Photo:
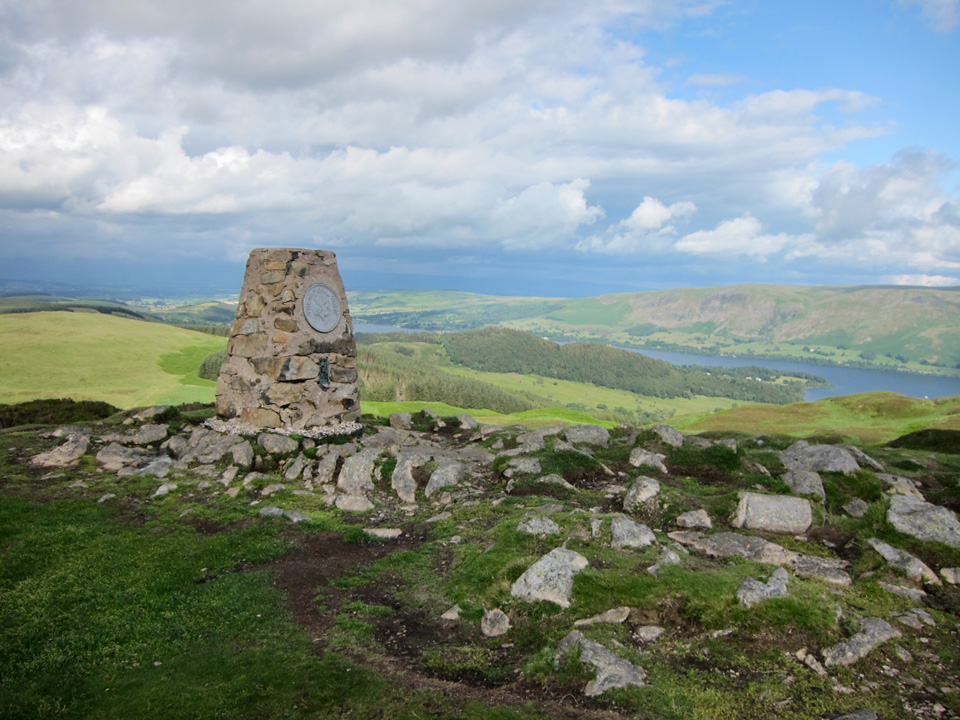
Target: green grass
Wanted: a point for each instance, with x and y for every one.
(124, 362)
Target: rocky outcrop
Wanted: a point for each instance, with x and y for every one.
(917, 518)
(818, 458)
(773, 513)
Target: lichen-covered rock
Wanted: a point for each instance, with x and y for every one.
(628, 534)
(494, 623)
(913, 567)
(818, 458)
(539, 525)
(873, 632)
(727, 544)
(448, 474)
(612, 670)
(896, 485)
(669, 435)
(752, 591)
(695, 519)
(68, 453)
(356, 475)
(550, 578)
(773, 513)
(587, 435)
(402, 480)
(923, 520)
(150, 434)
(277, 444)
(805, 482)
(115, 456)
(640, 457)
(643, 490)
(401, 420)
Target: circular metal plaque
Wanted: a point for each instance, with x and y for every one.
(321, 308)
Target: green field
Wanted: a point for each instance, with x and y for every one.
(90, 356)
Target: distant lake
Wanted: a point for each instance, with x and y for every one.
(845, 380)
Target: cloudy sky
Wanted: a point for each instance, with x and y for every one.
(549, 147)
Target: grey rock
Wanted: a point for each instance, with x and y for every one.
(539, 525)
(667, 557)
(525, 466)
(911, 621)
(494, 623)
(911, 566)
(295, 469)
(752, 591)
(918, 596)
(158, 468)
(669, 435)
(277, 444)
(150, 434)
(203, 446)
(896, 485)
(773, 513)
(67, 453)
(695, 519)
(353, 503)
(327, 467)
(628, 534)
(587, 435)
(924, 520)
(357, 472)
(649, 633)
(864, 460)
(827, 569)
(873, 632)
(401, 420)
(614, 616)
(818, 458)
(387, 439)
(243, 454)
(384, 533)
(115, 456)
(805, 482)
(735, 545)
(452, 614)
(150, 412)
(165, 489)
(612, 671)
(640, 457)
(951, 576)
(551, 479)
(271, 489)
(550, 578)
(448, 474)
(295, 516)
(402, 481)
(270, 511)
(856, 508)
(643, 490)
(445, 515)
(467, 422)
(107, 496)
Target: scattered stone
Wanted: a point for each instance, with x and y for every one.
(448, 474)
(150, 412)
(539, 525)
(551, 479)
(295, 469)
(78, 484)
(773, 513)
(904, 592)
(295, 516)
(550, 578)
(897, 485)
(735, 545)
(243, 454)
(115, 456)
(811, 662)
(873, 632)
(402, 480)
(357, 472)
(951, 576)
(68, 453)
(818, 458)
(752, 591)
(614, 616)
(271, 489)
(494, 623)
(452, 614)
(911, 566)
(864, 460)
(695, 519)
(467, 422)
(924, 520)
(104, 498)
(827, 569)
(640, 457)
(526, 466)
(667, 557)
(150, 434)
(642, 491)
(353, 503)
(270, 511)
(384, 533)
(229, 475)
(587, 435)
(203, 446)
(165, 489)
(856, 508)
(445, 515)
(669, 435)
(649, 633)
(278, 444)
(628, 534)
(805, 482)
(859, 715)
(159, 468)
(911, 621)
(612, 670)
(401, 420)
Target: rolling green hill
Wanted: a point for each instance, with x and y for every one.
(91, 356)
(915, 329)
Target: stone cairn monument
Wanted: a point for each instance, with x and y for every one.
(292, 359)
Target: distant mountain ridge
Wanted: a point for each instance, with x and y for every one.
(906, 327)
